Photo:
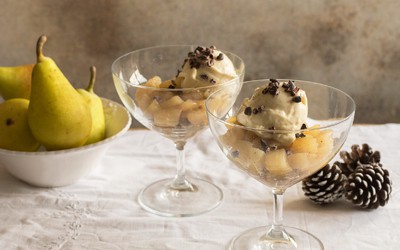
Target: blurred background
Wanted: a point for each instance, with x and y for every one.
(353, 45)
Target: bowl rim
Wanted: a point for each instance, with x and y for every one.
(76, 149)
(232, 81)
(281, 131)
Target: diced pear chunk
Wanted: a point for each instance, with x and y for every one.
(232, 136)
(167, 118)
(256, 161)
(173, 101)
(314, 130)
(153, 82)
(152, 108)
(276, 163)
(299, 161)
(325, 142)
(197, 117)
(189, 104)
(143, 98)
(306, 144)
(166, 84)
(232, 119)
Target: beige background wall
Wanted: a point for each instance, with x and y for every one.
(351, 44)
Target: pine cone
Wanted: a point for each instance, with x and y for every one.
(325, 186)
(369, 186)
(363, 155)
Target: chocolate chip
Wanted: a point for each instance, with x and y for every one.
(291, 88)
(201, 56)
(300, 135)
(212, 81)
(235, 153)
(247, 111)
(204, 76)
(297, 99)
(304, 126)
(220, 57)
(9, 122)
(255, 111)
(272, 88)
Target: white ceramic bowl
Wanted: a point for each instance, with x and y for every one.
(64, 167)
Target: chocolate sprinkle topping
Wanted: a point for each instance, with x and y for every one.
(304, 126)
(9, 122)
(247, 111)
(272, 88)
(235, 153)
(300, 135)
(202, 56)
(220, 57)
(291, 88)
(204, 76)
(258, 110)
(297, 99)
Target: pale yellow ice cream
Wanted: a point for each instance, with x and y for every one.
(205, 67)
(275, 106)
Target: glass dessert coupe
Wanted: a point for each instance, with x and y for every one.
(145, 82)
(281, 158)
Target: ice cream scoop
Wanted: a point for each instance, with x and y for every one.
(205, 67)
(275, 106)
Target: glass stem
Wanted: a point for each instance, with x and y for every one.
(277, 224)
(180, 182)
(180, 161)
(277, 233)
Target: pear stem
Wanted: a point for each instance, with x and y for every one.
(92, 79)
(39, 47)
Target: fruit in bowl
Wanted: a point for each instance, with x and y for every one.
(58, 133)
(63, 167)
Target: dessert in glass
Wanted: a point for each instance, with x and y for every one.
(165, 89)
(279, 132)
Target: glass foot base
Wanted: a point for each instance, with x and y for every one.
(256, 239)
(159, 198)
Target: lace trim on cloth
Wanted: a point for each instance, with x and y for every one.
(72, 212)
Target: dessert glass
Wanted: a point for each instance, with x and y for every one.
(330, 117)
(177, 114)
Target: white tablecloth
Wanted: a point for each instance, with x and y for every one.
(101, 212)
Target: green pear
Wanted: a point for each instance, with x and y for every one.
(58, 116)
(15, 82)
(14, 129)
(96, 110)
